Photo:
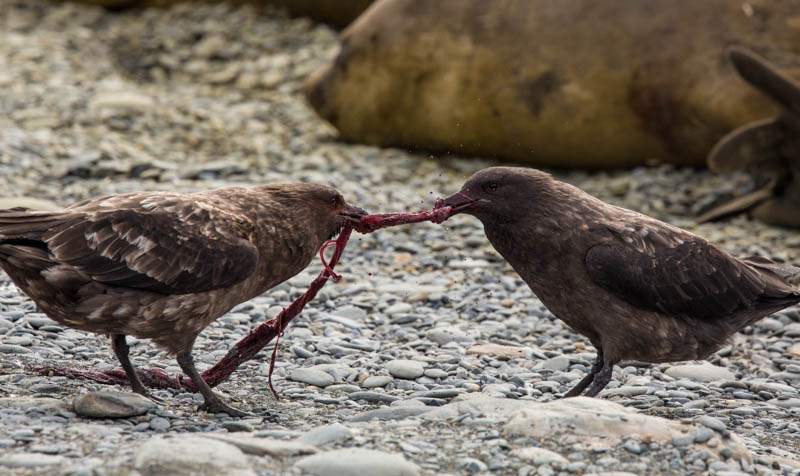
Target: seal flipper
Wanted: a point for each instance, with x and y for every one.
(739, 204)
(759, 141)
(769, 147)
(765, 77)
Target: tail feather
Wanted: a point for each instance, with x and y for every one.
(15, 223)
(782, 270)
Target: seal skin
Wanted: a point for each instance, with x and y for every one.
(163, 266)
(338, 13)
(636, 287)
(573, 83)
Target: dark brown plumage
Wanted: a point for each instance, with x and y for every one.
(636, 287)
(162, 265)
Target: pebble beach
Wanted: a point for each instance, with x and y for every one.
(429, 357)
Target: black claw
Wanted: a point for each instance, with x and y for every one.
(217, 406)
(597, 366)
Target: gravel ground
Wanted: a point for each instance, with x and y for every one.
(198, 97)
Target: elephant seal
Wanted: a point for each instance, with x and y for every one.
(338, 13)
(768, 148)
(570, 83)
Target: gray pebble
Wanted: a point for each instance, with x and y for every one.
(325, 434)
(190, 454)
(345, 388)
(407, 369)
(159, 423)
(19, 340)
(557, 364)
(713, 423)
(14, 349)
(398, 308)
(391, 413)
(377, 381)
(704, 372)
(435, 373)
(234, 426)
(302, 352)
(30, 460)
(472, 465)
(787, 403)
(105, 404)
(684, 440)
(633, 446)
(441, 393)
(311, 377)
(357, 462)
(373, 397)
(702, 434)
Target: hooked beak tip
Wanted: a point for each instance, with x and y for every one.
(459, 201)
(353, 214)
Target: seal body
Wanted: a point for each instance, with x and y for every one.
(569, 83)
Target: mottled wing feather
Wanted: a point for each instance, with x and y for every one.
(684, 276)
(158, 252)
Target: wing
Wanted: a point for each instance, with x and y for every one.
(667, 270)
(173, 249)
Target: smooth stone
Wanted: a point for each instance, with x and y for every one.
(46, 388)
(702, 434)
(159, 424)
(398, 308)
(357, 462)
(350, 312)
(237, 426)
(258, 446)
(774, 388)
(625, 391)
(190, 455)
(792, 330)
(377, 381)
(43, 403)
(107, 404)
(477, 405)
(435, 373)
(407, 369)
(30, 460)
(344, 388)
(311, 377)
(602, 423)
(556, 364)
(769, 324)
(14, 349)
(540, 456)
(704, 372)
(373, 397)
(391, 413)
(121, 100)
(472, 465)
(325, 434)
(441, 393)
(302, 352)
(788, 403)
(683, 440)
(633, 446)
(19, 340)
(445, 335)
(695, 404)
(497, 350)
